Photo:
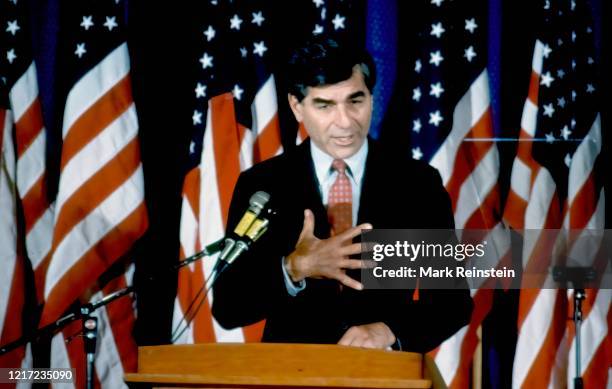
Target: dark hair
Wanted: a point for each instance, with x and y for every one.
(324, 62)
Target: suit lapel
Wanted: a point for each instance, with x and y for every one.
(369, 184)
(308, 189)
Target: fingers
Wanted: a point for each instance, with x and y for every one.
(373, 335)
(352, 249)
(353, 232)
(357, 337)
(348, 281)
(308, 227)
(357, 264)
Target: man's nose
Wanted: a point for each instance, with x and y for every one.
(343, 119)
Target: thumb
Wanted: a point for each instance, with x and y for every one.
(308, 228)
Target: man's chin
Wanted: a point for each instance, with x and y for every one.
(343, 152)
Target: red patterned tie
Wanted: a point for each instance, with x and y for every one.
(340, 201)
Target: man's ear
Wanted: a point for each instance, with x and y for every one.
(296, 107)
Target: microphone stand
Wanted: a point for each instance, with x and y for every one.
(90, 322)
(578, 277)
(90, 330)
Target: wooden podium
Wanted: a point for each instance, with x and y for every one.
(268, 365)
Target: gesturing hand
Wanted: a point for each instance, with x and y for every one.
(325, 258)
(373, 335)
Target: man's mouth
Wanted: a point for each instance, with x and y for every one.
(343, 140)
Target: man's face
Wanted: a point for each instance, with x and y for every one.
(337, 116)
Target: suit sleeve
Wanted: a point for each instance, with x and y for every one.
(253, 285)
(436, 314)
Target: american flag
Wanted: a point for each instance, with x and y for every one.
(555, 184)
(24, 169)
(99, 210)
(12, 278)
(235, 124)
(452, 127)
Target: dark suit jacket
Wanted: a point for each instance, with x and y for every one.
(397, 192)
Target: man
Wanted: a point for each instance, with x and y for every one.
(299, 276)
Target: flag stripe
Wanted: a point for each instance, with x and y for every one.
(82, 262)
(97, 188)
(24, 92)
(98, 117)
(94, 85)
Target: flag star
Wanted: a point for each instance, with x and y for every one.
(200, 90)
(235, 22)
(559, 42)
(437, 30)
(573, 5)
(192, 147)
(567, 160)
(546, 50)
(317, 30)
(338, 22)
(318, 3)
(416, 94)
(80, 50)
(87, 22)
(10, 55)
(435, 118)
(111, 22)
(574, 95)
(546, 79)
(416, 153)
(561, 102)
(257, 18)
(469, 53)
(206, 61)
(565, 133)
(590, 88)
(589, 30)
(12, 27)
(435, 58)
(550, 138)
(210, 33)
(573, 123)
(573, 36)
(418, 66)
(13, 1)
(437, 2)
(259, 49)
(436, 90)
(197, 117)
(573, 64)
(547, 4)
(590, 61)
(548, 110)
(560, 73)
(416, 125)
(244, 52)
(470, 25)
(323, 13)
(237, 92)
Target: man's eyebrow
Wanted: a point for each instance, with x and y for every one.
(320, 100)
(356, 95)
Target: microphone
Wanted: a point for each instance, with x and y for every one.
(257, 229)
(257, 203)
(258, 226)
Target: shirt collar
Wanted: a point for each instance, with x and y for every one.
(323, 161)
